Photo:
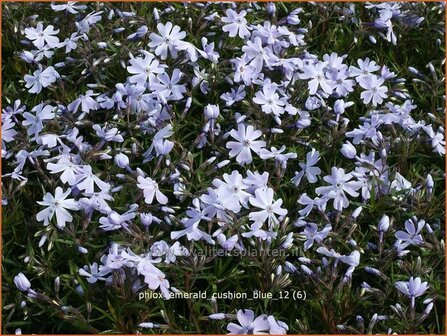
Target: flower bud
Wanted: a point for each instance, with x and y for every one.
(384, 223)
(21, 282)
(42, 240)
(293, 20)
(211, 111)
(339, 106)
(82, 250)
(414, 71)
(148, 325)
(146, 219)
(348, 150)
(156, 15)
(289, 267)
(79, 290)
(223, 163)
(356, 212)
(218, 316)
(430, 183)
(271, 8)
(121, 160)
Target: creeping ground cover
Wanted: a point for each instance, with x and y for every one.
(243, 168)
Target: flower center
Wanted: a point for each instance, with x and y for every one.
(269, 209)
(246, 143)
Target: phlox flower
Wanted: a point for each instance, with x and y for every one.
(277, 327)
(116, 258)
(41, 79)
(115, 221)
(269, 100)
(87, 180)
(208, 51)
(342, 84)
(57, 204)
(258, 55)
(411, 235)
(340, 183)
(108, 134)
(68, 166)
(401, 183)
(277, 154)
(71, 7)
(246, 142)
(191, 224)
(93, 272)
(374, 93)
(270, 34)
(229, 244)
(368, 130)
(311, 234)
(89, 20)
(153, 277)
(315, 72)
(412, 288)
(217, 202)
(96, 201)
(248, 323)
(85, 102)
(233, 187)
(256, 230)
(150, 189)
(34, 123)
(161, 248)
(437, 139)
(143, 70)
(353, 260)
(8, 131)
(264, 200)
(234, 95)
(167, 40)
(40, 36)
(169, 88)
(366, 69)
(236, 24)
(244, 71)
(70, 43)
(256, 180)
(308, 168)
(329, 253)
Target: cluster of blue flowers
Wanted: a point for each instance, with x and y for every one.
(246, 108)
